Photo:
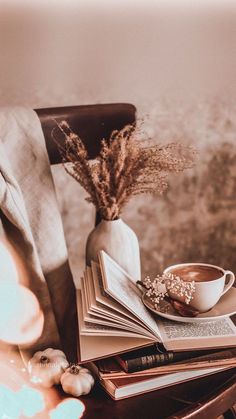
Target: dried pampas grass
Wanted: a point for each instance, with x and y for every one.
(125, 167)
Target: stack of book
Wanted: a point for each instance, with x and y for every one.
(131, 350)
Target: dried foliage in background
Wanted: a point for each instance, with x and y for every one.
(126, 166)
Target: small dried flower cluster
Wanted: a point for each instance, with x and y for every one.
(162, 285)
(177, 286)
(156, 289)
(124, 167)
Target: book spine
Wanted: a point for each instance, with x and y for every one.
(148, 361)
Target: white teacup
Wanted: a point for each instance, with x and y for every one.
(210, 283)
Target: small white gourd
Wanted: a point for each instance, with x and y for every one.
(46, 367)
(77, 380)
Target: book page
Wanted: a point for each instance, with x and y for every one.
(181, 336)
(175, 331)
(104, 319)
(111, 304)
(96, 329)
(119, 286)
(96, 305)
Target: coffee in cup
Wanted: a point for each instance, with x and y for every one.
(210, 283)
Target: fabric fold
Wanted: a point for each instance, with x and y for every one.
(32, 223)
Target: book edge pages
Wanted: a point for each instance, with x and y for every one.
(94, 347)
(178, 380)
(152, 326)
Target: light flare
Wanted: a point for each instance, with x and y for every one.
(7, 265)
(31, 401)
(69, 408)
(21, 320)
(9, 403)
(27, 402)
(18, 399)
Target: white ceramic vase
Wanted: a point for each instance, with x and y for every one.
(119, 241)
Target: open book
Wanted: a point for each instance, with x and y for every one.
(113, 318)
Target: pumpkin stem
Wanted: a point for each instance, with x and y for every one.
(74, 369)
(44, 359)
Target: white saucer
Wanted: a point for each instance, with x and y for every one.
(225, 307)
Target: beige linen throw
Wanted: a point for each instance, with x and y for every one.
(32, 223)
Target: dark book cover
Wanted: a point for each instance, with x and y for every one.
(154, 356)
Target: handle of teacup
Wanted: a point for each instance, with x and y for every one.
(230, 283)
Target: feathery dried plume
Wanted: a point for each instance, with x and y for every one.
(124, 167)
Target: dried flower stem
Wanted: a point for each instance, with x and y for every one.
(124, 167)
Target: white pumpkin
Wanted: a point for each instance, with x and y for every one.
(77, 380)
(46, 367)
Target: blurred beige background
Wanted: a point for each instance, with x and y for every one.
(176, 64)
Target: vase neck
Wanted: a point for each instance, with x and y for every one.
(118, 221)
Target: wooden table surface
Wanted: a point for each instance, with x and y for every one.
(171, 402)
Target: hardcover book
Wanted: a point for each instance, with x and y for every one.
(117, 367)
(141, 360)
(123, 387)
(113, 319)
